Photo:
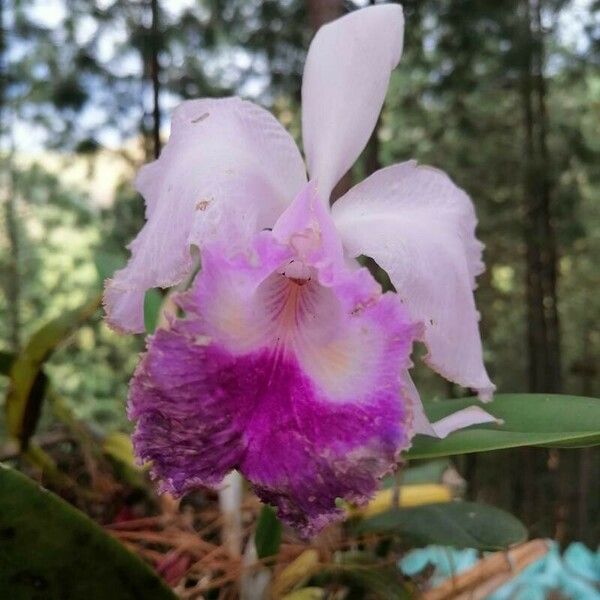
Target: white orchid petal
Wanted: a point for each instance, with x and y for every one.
(472, 415)
(229, 169)
(346, 76)
(420, 227)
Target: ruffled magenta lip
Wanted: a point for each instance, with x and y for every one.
(300, 451)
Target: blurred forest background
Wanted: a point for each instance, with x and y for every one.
(504, 96)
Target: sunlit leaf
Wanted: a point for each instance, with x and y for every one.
(52, 551)
(268, 533)
(458, 524)
(309, 593)
(527, 420)
(118, 447)
(27, 385)
(298, 571)
(407, 496)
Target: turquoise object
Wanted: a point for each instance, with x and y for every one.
(574, 573)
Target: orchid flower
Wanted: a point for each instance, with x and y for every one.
(290, 364)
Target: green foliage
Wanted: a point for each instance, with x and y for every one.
(308, 593)
(455, 102)
(267, 537)
(365, 576)
(28, 381)
(50, 550)
(65, 253)
(118, 447)
(431, 471)
(458, 524)
(527, 420)
(6, 361)
(152, 303)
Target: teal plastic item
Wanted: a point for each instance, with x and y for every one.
(574, 574)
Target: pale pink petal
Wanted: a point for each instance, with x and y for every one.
(228, 170)
(346, 76)
(420, 227)
(472, 415)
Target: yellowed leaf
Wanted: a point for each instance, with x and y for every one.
(301, 568)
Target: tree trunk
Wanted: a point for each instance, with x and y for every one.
(540, 239)
(372, 162)
(542, 475)
(536, 325)
(549, 275)
(155, 77)
(323, 11)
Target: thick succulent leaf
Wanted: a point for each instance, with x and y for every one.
(527, 420)
(50, 550)
(27, 386)
(296, 573)
(458, 524)
(267, 537)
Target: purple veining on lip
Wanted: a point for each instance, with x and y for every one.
(300, 450)
(287, 367)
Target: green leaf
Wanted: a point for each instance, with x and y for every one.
(153, 300)
(52, 551)
(458, 524)
(364, 575)
(431, 471)
(268, 533)
(528, 420)
(27, 387)
(6, 361)
(309, 593)
(118, 447)
(106, 264)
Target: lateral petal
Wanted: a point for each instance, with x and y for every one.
(473, 415)
(420, 227)
(228, 170)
